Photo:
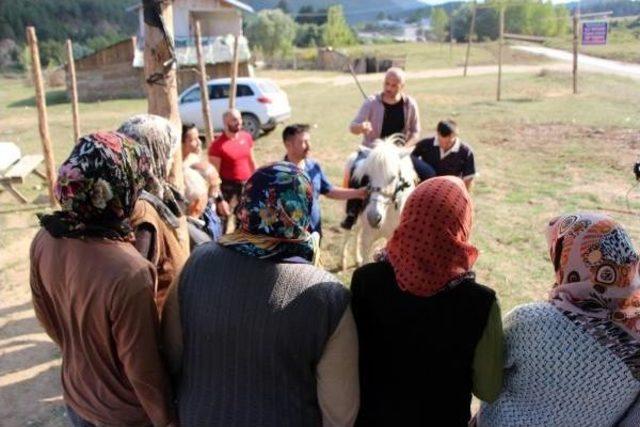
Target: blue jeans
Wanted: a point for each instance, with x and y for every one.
(77, 420)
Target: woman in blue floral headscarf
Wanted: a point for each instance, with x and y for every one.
(274, 215)
(251, 316)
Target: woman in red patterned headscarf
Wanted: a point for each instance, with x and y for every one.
(429, 334)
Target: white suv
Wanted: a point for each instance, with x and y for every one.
(262, 103)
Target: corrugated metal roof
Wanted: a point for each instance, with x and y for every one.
(240, 5)
(214, 49)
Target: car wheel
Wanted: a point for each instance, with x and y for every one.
(251, 124)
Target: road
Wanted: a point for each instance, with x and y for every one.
(585, 62)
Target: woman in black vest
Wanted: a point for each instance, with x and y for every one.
(429, 334)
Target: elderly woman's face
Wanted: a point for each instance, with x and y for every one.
(191, 141)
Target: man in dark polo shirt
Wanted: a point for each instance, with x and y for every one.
(445, 154)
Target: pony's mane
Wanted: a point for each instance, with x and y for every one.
(383, 160)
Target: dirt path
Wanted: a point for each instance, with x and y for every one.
(29, 362)
(585, 62)
(478, 70)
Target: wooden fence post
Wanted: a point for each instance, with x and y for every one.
(576, 25)
(43, 124)
(470, 36)
(204, 92)
(500, 46)
(234, 74)
(74, 91)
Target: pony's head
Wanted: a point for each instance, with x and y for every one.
(385, 166)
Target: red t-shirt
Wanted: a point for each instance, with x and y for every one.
(234, 154)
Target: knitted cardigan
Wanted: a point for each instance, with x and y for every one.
(557, 374)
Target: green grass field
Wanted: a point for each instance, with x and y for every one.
(540, 152)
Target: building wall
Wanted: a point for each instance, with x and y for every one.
(108, 74)
(188, 77)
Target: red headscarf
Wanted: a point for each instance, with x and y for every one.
(431, 245)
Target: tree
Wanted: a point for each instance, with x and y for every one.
(439, 23)
(272, 32)
(337, 32)
(306, 15)
(308, 35)
(283, 5)
(562, 20)
(381, 16)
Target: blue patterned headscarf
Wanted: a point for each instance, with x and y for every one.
(274, 216)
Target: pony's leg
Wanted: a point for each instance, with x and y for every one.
(345, 250)
(367, 238)
(359, 232)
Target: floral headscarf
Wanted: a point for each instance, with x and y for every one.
(98, 186)
(596, 268)
(274, 216)
(430, 249)
(162, 140)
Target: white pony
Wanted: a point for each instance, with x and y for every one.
(391, 179)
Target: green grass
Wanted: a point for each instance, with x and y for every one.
(540, 152)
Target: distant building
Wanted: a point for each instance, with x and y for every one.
(117, 71)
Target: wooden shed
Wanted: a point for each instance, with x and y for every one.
(117, 71)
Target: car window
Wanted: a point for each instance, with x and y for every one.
(192, 96)
(244, 90)
(222, 91)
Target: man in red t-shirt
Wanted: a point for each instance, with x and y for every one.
(232, 155)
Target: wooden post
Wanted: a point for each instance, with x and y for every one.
(162, 88)
(501, 42)
(41, 103)
(74, 91)
(450, 36)
(234, 74)
(470, 36)
(576, 26)
(204, 92)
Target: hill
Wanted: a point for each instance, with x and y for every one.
(354, 10)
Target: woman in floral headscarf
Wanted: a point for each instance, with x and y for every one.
(156, 215)
(92, 291)
(575, 359)
(260, 336)
(429, 334)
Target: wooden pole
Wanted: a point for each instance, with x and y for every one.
(162, 88)
(204, 93)
(43, 124)
(161, 75)
(234, 74)
(74, 91)
(500, 45)
(450, 36)
(470, 36)
(576, 26)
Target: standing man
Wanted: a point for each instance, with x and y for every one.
(384, 114)
(232, 155)
(297, 142)
(445, 154)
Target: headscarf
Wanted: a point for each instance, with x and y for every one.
(274, 215)
(98, 186)
(596, 269)
(430, 249)
(162, 140)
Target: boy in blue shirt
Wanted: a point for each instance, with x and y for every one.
(297, 142)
